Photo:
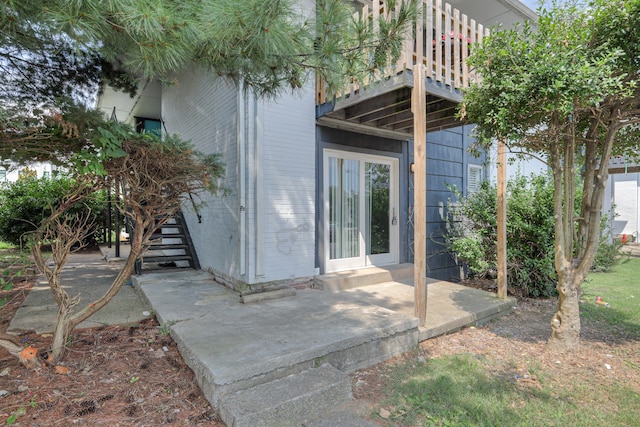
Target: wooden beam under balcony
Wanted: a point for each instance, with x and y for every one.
(440, 42)
(386, 109)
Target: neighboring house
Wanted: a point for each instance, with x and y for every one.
(622, 198)
(142, 111)
(11, 173)
(322, 185)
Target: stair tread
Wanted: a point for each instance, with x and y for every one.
(166, 258)
(166, 246)
(171, 236)
(167, 236)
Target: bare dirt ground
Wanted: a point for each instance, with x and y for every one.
(515, 345)
(135, 376)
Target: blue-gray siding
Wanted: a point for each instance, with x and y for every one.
(447, 164)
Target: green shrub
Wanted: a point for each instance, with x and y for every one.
(608, 253)
(530, 235)
(24, 204)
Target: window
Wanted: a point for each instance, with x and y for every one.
(149, 125)
(474, 178)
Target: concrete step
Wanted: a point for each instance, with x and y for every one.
(349, 279)
(294, 400)
(351, 414)
(308, 330)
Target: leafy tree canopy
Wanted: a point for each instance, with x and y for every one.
(569, 91)
(270, 45)
(579, 62)
(56, 54)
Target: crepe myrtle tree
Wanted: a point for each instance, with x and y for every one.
(565, 91)
(151, 175)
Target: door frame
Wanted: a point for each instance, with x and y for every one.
(363, 260)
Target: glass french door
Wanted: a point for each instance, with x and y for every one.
(360, 210)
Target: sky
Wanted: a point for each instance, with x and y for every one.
(533, 4)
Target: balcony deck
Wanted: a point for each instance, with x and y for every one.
(382, 104)
(622, 164)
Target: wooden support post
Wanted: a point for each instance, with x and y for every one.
(117, 218)
(502, 220)
(419, 109)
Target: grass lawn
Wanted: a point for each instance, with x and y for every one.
(4, 245)
(485, 377)
(621, 289)
(12, 267)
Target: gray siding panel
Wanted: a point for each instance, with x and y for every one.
(444, 152)
(442, 183)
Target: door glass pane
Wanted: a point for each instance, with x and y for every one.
(344, 208)
(377, 206)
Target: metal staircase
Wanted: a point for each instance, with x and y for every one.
(171, 247)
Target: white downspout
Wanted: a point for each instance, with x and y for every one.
(242, 178)
(259, 187)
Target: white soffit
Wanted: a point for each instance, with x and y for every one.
(491, 13)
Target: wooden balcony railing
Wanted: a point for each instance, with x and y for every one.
(445, 37)
(623, 164)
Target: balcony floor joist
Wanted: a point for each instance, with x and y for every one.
(385, 109)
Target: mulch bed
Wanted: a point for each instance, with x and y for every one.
(117, 376)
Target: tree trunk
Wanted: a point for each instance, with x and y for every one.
(64, 326)
(67, 320)
(565, 325)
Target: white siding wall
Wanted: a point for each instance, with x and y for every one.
(625, 198)
(269, 152)
(279, 170)
(204, 110)
(289, 187)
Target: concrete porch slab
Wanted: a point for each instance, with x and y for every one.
(449, 306)
(232, 346)
(235, 347)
